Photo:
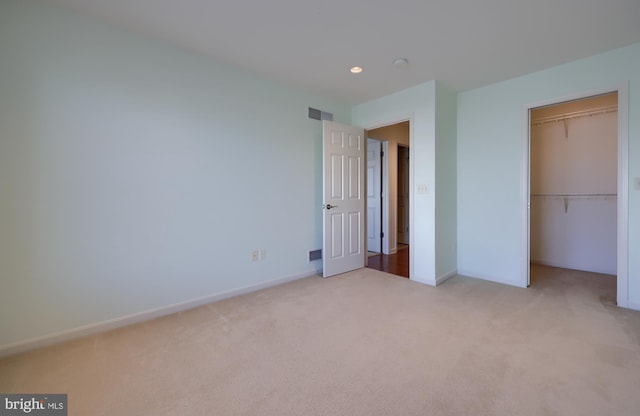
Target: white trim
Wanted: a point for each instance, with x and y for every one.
(526, 201)
(412, 208)
(388, 121)
(110, 324)
(569, 267)
(385, 199)
(429, 282)
(622, 297)
(634, 306)
(469, 273)
(622, 261)
(444, 277)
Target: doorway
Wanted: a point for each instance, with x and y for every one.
(576, 167)
(394, 213)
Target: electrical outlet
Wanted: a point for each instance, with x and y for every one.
(255, 255)
(263, 253)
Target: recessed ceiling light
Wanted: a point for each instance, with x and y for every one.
(356, 70)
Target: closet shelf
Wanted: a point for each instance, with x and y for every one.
(575, 114)
(567, 197)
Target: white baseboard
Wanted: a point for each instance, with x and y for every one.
(430, 282)
(103, 326)
(634, 306)
(470, 273)
(572, 267)
(444, 277)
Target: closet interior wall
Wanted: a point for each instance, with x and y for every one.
(574, 184)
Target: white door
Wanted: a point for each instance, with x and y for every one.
(374, 188)
(343, 198)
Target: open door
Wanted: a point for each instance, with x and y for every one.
(344, 246)
(374, 195)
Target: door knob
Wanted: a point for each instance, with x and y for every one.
(329, 206)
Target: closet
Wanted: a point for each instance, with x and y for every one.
(573, 184)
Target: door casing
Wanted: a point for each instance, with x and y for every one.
(374, 195)
(622, 295)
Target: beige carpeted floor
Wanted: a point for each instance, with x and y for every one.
(363, 343)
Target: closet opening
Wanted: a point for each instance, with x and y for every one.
(573, 195)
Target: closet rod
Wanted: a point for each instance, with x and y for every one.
(575, 114)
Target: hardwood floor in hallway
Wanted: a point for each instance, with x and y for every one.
(397, 264)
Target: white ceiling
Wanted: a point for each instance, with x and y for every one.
(312, 44)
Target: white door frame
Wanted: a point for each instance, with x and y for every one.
(385, 198)
(376, 183)
(386, 247)
(622, 261)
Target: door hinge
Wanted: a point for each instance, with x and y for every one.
(381, 153)
(381, 235)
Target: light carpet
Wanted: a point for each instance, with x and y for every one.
(362, 343)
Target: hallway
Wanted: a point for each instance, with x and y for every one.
(397, 264)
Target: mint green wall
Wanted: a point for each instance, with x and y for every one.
(491, 143)
(135, 175)
(431, 107)
(418, 105)
(446, 184)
